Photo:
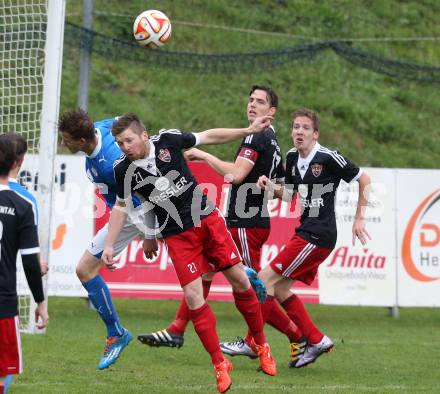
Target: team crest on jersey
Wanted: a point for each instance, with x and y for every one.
(316, 169)
(164, 155)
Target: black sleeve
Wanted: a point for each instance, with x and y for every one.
(28, 233)
(188, 140)
(123, 192)
(178, 139)
(344, 168)
(31, 267)
(257, 142)
(280, 172)
(289, 181)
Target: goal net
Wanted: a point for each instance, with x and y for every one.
(28, 42)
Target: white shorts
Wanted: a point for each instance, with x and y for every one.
(128, 232)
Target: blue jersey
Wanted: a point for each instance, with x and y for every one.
(99, 165)
(28, 196)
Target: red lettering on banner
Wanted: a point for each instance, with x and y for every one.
(343, 259)
(431, 240)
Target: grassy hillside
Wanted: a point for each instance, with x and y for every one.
(375, 119)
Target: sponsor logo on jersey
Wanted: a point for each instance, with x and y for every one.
(162, 184)
(94, 172)
(164, 155)
(316, 169)
(169, 189)
(7, 210)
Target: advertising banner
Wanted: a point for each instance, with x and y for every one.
(72, 222)
(418, 229)
(363, 275)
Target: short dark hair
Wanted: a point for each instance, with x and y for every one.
(7, 155)
(128, 120)
(77, 124)
(18, 142)
(271, 95)
(308, 113)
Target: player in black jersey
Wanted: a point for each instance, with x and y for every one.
(18, 232)
(314, 173)
(247, 220)
(193, 229)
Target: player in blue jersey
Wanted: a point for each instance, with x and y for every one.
(80, 134)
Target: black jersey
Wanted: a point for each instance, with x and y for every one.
(164, 183)
(18, 232)
(247, 205)
(316, 179)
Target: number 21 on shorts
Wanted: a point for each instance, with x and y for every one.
(192, 268)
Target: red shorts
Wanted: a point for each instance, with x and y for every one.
(249, 242)
(10, 346)
(202, 248)
(300, 260)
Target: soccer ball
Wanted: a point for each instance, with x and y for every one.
(152, 29)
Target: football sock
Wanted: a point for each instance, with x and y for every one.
(178, 326)
(101, 299)
(277, 318)
(248, 305)
(204, 324)
(297, 312)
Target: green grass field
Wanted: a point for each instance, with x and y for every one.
(373, 353)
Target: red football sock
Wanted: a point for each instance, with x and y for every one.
(204, 324)
(178, 326)
(278, 319)
(248, 305)
(297, 312)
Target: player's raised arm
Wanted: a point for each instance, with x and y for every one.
(222, 136)
(234, 172)
(359, 230)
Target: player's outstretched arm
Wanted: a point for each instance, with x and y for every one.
(118, 216)
(233, 172)
(31, 267)
(275, 190)
(359, 230)
(222, 136)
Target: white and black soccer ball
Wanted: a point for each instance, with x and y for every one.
(152, 29)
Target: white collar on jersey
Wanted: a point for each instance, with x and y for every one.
(12, 180)
(148, 163)
(98, 145)
(4, 187)
(303, 163)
